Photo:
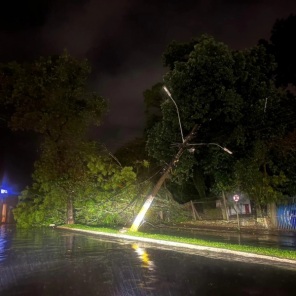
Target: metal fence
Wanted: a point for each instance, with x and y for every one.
(207, 210)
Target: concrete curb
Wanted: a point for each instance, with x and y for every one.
(215, 253)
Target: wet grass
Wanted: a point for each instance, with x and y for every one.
(273, 252)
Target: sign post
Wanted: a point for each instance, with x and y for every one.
(236, 199)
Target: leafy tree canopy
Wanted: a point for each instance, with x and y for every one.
(232, 96)
(101, 190)
(72, 176)
(50, 96)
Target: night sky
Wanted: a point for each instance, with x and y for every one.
(124, 41)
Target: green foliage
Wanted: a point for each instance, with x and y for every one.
(262, 188)
(177, 52)
(37, 210)
(203, 88)
(108, 176)
(49, 96)
(233, 97)
(133, 154)
(72, 174)
(96, 201)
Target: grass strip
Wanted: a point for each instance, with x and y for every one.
(273, 252)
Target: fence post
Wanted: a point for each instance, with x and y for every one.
(193, 210)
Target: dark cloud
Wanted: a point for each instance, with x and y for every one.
(84, 26)
(124, 41)
(124, 90)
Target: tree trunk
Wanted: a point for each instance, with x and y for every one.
(70, 211)
(259, 211)
(272, 214)
(195, 212)
(149, 200)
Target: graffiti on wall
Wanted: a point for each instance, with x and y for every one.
(286, 216)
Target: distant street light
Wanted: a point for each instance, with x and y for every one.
(170, 96)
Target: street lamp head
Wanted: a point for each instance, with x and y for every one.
(167, 91)
(227, 150)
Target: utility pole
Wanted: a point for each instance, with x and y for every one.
(183, 146)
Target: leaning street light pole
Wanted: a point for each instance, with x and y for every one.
(170, 96)
(139, 218)
(182, 147)
(137, 222)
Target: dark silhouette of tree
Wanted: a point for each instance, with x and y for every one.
(283, 46)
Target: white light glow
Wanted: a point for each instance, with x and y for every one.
(167, 91)
(141, 215)
(227, 150)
